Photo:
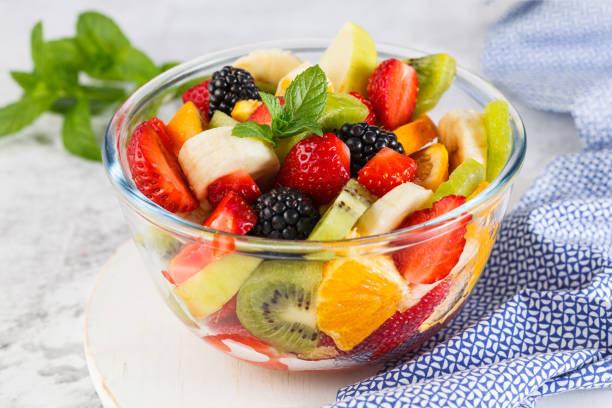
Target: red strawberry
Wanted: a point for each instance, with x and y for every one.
(191, 259)
(156, 171)
(162, 132)
(432, 260)
(318, 166)
(371, 118)
(226, 342)
(233, 214)
(239, 182)
(262, 115)
(393, 89)
(199, 96)
(403, 325)
(386, 170)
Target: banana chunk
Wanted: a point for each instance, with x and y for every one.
(215, 153)
(463, 134)
(388, 212)
(268, 65)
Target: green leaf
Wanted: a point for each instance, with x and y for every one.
(272, 103)
(98, 34)
(306, 96)
(133, 65)
(168, 65)
(297, 127)
(57, 62)
(18, 115)
(77, 134)
(255, 130)
(26, 80)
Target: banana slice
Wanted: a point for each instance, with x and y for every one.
(286, 80)
(463, 134)
(388, 212)
(268, 65)
(215, 153)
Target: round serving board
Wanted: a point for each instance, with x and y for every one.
(140, 355)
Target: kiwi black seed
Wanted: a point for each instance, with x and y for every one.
(276, 304)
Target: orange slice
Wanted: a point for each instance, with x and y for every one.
(356, 296)
(432, 166)
(185, 124)
(416, 134)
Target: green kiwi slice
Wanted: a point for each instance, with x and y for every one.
(435, 74)
(343, 213)
(277, 304)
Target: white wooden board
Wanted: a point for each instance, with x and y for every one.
(140, 355)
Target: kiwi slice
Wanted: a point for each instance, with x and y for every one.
(435, 74)
(277, 304)
(220, 119)
(343, 213)
(340, 109)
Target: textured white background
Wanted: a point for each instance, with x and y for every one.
(59, 220)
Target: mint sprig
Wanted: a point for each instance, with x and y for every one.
(78, 77)
(305, 101)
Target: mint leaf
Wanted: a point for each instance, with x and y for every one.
(57, 62)
(77, 134)
(100, 41)
(306, 96)
(18, 115)
(255, 130)
(272, 103)
(133, 65)
(297, 127)
(26, 80)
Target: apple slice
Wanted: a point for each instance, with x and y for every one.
(268, 66)
(350, 59)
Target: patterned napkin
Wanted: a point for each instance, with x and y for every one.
(539, 321)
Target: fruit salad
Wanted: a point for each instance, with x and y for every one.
(331, 151)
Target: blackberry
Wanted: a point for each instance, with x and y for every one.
(284, 213)
(228, 86)
(364, 141)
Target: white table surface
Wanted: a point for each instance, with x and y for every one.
(59, 220)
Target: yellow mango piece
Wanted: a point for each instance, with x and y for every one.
(243, 109)
(185, 124)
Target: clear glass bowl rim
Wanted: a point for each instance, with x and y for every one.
(477, 87)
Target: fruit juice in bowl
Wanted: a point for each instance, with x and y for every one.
(313, 206)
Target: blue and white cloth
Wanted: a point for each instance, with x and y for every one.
(539, 321)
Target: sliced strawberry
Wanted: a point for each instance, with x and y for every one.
(262, 114)
(233, 214)
(371, 118)
(403, 325)
(239, 182)
(254, 347)
(162, 132)
(393, 89)
(386, 170)
(318, 166)
(199, 96)
(433, 259)
(156, 171)
(191, 259)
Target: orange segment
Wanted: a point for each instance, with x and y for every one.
(356, 296)
(416, 134)
(483, 184)
(244, 108)
(185, 124)
(432, 166)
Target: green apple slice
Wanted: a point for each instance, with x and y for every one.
(208, 290)
(350, 59)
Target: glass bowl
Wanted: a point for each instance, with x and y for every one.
(362, 307)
